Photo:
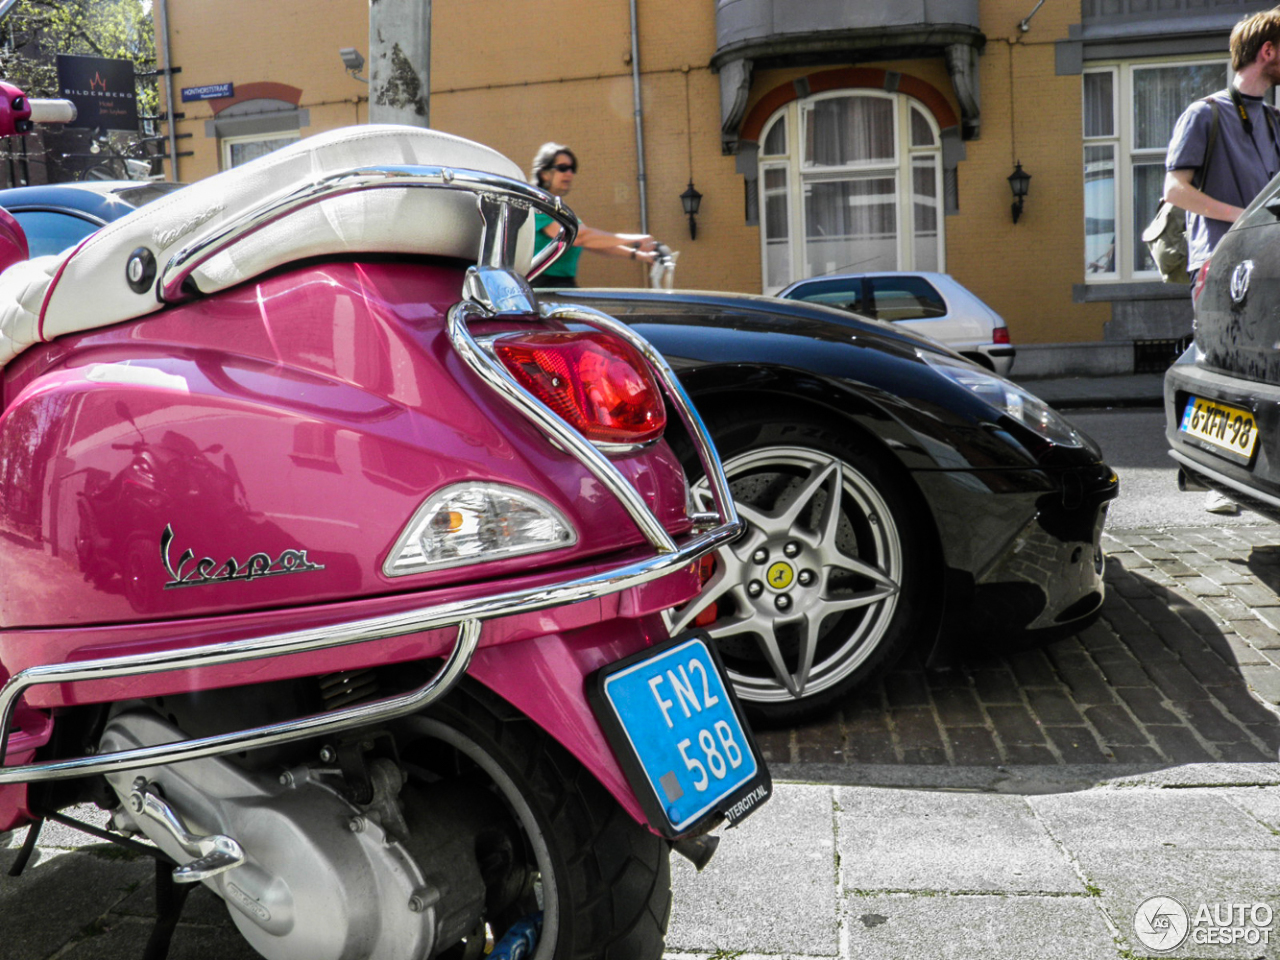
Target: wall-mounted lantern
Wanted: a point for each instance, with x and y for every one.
(1019, 181)
(691, 199)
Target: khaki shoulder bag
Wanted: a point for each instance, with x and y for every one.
(1166, 234)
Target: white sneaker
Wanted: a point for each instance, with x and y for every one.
(1218, 502)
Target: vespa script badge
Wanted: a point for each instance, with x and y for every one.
(208, 570)
(1240, 280)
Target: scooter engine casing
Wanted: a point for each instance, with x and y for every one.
(312, 887)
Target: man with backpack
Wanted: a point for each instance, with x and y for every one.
(1224, 150)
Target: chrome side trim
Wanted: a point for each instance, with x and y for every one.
(484, 185)
(468, 613)
(702, 441)
(264, 736)
(496, 375)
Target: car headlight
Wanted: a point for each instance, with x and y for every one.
(1007, 397)
(474, 523)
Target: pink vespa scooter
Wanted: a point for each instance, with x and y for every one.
(334, 567)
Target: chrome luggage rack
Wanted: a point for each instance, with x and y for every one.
(492, 290)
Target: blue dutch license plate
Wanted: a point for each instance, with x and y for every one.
(677, 730)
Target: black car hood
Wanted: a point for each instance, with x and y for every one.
(738, 345)
(769, 320)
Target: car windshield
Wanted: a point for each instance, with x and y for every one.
(51, 232)
(905, 298)
(1257, 213)
(144, 193)
(845, 293)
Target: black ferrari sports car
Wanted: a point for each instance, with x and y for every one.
(894, 493)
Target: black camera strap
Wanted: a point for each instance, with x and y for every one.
(1238, 100)
(1202, 171)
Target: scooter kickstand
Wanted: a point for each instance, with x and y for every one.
(28, 848)
(214, 854)
(171, 897)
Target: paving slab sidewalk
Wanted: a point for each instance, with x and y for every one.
(877, 872)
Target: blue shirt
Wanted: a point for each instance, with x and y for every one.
(1240, 167)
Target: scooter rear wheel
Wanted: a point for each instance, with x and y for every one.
(605, 879)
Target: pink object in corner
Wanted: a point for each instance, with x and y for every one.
(13, 241)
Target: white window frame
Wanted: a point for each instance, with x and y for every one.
(900, 168)
(1124, 154)
(224, 143)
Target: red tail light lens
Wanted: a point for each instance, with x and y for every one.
(1000, 335)
(597, 382)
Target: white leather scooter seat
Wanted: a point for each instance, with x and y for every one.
(86, 287)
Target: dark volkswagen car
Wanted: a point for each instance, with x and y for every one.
(894, 493)
(1222, 397)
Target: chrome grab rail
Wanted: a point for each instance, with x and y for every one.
(497, 376)
(292, 199)
(698, 433)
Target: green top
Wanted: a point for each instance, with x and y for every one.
(567, 265)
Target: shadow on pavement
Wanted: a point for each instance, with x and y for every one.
(1155, 682)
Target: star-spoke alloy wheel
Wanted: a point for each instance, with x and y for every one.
(819, 592)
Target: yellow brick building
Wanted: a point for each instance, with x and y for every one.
(958, 91)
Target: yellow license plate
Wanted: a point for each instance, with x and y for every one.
(1222, 425)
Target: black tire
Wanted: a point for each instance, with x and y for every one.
(775, 461)
(981, 359)
(606, 880)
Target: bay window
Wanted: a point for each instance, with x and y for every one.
(1129, 113)
(850, 180)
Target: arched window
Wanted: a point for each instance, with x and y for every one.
(850, 180)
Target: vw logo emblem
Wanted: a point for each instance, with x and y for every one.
(1240, 280)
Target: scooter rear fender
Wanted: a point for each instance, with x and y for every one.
(538, 664)
(295, 423)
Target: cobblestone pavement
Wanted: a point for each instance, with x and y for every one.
(1183, 666)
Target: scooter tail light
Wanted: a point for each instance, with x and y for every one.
(598, 383)
(474, 523)
(1000, 335)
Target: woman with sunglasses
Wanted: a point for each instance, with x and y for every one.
(554, 167)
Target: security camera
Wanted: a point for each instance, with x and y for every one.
(351, 58)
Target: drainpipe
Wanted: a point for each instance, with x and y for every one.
(639, 111)
(168, 90)
(400, 62)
